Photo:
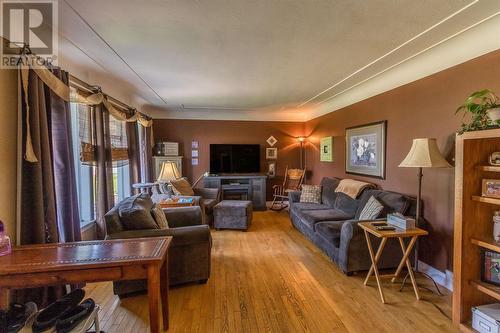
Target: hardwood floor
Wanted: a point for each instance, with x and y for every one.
(272, 279)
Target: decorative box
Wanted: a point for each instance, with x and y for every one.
(485, 318)
(170, 149)
(400, 221)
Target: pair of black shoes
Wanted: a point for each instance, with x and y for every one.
(13, 320)
(65, 314)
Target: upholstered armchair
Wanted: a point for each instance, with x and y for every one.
(209, 197)
(189, 253)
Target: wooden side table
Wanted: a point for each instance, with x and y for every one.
(400, 234)
(33, 266)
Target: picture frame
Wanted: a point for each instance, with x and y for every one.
(366, 147)
(271, 169)
(491, 188)
(271, 141)
(326, 149)
(271, 153)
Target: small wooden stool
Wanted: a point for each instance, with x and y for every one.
(401, 234)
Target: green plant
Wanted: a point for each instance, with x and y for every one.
(477, 105)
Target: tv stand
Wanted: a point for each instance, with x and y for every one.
(250, 187)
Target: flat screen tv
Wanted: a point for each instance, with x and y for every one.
(228, 158)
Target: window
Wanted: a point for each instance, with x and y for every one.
(83, 135)
(85, 170)
(119, 154)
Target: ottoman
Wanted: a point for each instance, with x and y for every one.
(233, 214)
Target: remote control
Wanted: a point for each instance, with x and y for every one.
(386, 228)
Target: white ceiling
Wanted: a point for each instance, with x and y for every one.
(248, 59)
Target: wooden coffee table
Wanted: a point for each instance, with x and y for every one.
(95, 261)
(400, 234)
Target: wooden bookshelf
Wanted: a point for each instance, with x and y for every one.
(467, 328)
(487, 200)
(473, 228)
(487, 288)
(489, 168)
(489, 244)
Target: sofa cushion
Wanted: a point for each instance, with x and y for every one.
(311, 193)
(311, 217)
(372, 209)
(345, 203)
(393, 202)
(181, 187)
(113, 223)
(135, 212)
(330, 231)
(300, 206)
(159, 216)
(328, 186)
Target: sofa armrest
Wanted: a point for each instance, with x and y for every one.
(207, 193)
(182, 236)
(353, 250)
(183, 216)
(294, 196)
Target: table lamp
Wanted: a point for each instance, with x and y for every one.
(424, 153)
(168, 173)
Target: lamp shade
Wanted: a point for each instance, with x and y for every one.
(168, 172)
(424, 153)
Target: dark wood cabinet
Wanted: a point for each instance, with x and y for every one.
(243, 187)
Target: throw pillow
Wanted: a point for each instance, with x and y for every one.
(311, 194)
(159, 216)
(182, 187)
(135, 212)
(372, 209)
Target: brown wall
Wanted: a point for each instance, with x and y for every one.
(424, 108)
(8, 153)
(244, 132)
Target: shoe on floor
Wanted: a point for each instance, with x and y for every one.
(47, 318)
(17, 316)
(78, 317)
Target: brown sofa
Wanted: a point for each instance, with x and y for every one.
(189, 253)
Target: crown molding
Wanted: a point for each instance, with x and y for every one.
(472, 42)
(469, 43)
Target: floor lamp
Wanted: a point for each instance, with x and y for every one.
(424, 153)
(302, 139)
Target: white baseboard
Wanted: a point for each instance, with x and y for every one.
(444, 279)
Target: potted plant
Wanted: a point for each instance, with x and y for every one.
(485, 111)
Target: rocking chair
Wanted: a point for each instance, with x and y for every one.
(293, 182)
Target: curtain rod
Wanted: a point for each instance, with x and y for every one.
(77, 83)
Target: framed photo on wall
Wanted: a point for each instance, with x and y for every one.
(271, 169)
(366, 150)
(326, 149)
(271, 153)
